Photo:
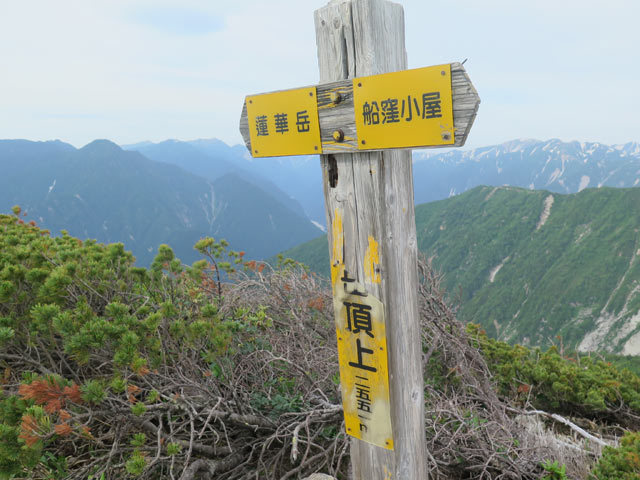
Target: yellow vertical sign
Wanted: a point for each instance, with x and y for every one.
(410, 108)
(284, 123)
(362, 352)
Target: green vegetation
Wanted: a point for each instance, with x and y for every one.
(314, 253)
(227, 367)
(574, 385)
(113, 371)
(622, 463)
(101, 191)
(629, 362)
(530, 284)
(554, 471)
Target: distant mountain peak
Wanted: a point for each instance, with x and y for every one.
(101, 191)
(630, 148)
(101, 146)
(135, 146)
(208, 141)
(200, 142)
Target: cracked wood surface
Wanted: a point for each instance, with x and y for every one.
(373, 193)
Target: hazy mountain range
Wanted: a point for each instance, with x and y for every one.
(563, 167)
(101, 191)
(294, 181)
(104, 192)
(552, 165)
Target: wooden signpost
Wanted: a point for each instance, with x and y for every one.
(362, 119)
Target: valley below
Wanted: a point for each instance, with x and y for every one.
(534, 267)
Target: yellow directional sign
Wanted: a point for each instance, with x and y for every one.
(362, 354)
(404, 109)
(362, 351)
(284, 123)
(407, 109)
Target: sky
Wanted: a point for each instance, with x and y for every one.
(138, 70)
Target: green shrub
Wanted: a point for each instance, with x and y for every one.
(554, 471)
(621, 463)
(136, 464)
(577, 384)
(93, 392)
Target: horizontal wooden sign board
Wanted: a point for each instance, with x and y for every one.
(419, 108)
(285, 121)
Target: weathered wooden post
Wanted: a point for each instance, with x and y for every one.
(372, 234)
(363, 120)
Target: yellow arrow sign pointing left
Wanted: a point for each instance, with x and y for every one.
(284, 123)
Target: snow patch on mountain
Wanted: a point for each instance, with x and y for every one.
(584, 182)
(319, 225)
(554, 176)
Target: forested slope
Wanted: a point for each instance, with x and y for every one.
(530, 266)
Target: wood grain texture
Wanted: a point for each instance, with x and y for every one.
(374, 194)
(334, 116)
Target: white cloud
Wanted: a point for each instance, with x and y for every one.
(79, 70)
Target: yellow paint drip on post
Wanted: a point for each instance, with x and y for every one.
(284, 123)
(362, 347)
(405, 109)
(371, 262)
(337, 260)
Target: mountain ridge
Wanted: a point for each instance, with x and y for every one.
(529, 265)
(562, 167)
(212, 161)
(104, 192)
